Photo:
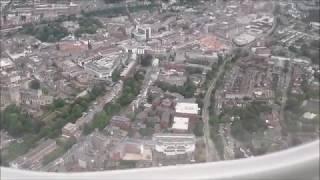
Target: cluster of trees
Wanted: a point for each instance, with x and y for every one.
(310, 50)
(120, 10)
(187, 90)
(194, 70)
(131, 89)
(310, 92)
(147, 132)
(50, 32)
(71, 112)
(115, 75)
(313, 16)
(18, 122)
(146, 60)
(87, 25)
(240, 52)
(294, 103)
(249, 120)
(63, 18)
(102, 119)
(62, 149)
(53, 31)
(215, 120)
(113, 1)
(35, 84)
(58, 103)
(198, 129)
(217, 139)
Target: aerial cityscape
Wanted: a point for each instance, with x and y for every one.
(95, 85)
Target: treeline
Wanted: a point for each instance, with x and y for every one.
(18, 123)
(187, 90)
(113, 1)
(120, 10)
(249, 120)
(50, 32)
(131, 88)
(102, 119)
(310, 50)
(313, 16)
(53, 31)
(87, 25)
(71, 112)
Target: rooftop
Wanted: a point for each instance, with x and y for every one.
(187, 108)
(4, 62)
(180, 123)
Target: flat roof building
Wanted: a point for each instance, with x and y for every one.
(180, 124)
(70, 130)
(121, 122)
(174, 144)
(6, 63)
(187, 108)
(103, 66)
(244, 39)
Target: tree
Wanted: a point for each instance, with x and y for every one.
(214, 120)
(293, 104)
(193, 70)
(17, 122)
(293, 49)
(220, 59)
(188, 89)
(100, 120)
(35, 84)
(146, 131)
(112, 108)
(86, 129)
(131, 89)
(47, 32)
(146, 60)
(59, 103)
(276, 10)
(198, 129)
(97, 90)
(76, 111)
(112, 1)
(115, 76)
(239, 132)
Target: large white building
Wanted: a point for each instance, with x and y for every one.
(103, 67)
(187, 108)
(244, 39)
(6, 63)
(142, 33)
(180, 124)
(174, 144)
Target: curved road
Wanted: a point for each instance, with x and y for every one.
(211, 152)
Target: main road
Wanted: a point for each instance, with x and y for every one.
(284, 93)
(211, 152)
